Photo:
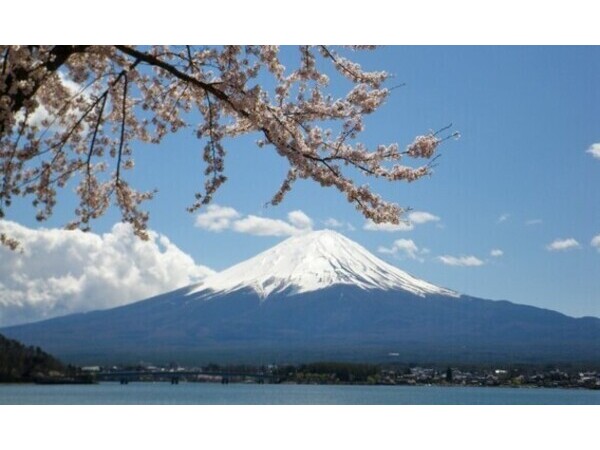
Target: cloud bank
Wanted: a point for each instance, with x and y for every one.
(61, 272)
(461, 261)
(218, 218)
(594, 150)
(562, 245)
(413, 218)
(334, 223)
(406, 248)
(595, 242)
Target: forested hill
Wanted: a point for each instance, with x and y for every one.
(19, 363)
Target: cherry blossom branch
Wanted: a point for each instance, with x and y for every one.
(91, 152)
(161, 86)
(5, 60)
(56, 58)
(173, 71)
(122, 136)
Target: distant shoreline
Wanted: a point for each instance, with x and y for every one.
(450, 386)
(332, 373)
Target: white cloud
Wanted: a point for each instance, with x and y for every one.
(216, 218)
(262, 226)
(300, 220)
(406, 247)
(389, 227)
(333, 223)
(419, 217)
(60, 272)
(413, 218)
(596, 242)
(503, 217)
(496, 252)
(461, 261)
(594, 150)
(562, 244)
(534, 222)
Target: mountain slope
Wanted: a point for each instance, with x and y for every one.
(317, 296)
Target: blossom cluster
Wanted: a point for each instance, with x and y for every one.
(75, 112)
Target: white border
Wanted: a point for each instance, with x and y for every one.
(307, 427)
(301, 21)
(293, 22)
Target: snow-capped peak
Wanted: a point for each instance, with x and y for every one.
(313, 261)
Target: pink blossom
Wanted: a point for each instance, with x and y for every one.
(76, 112)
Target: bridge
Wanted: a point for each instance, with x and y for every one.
(127, 376)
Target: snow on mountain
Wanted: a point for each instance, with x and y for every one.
(310, 262)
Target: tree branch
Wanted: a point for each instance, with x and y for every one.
(122, 136)
(154, 61)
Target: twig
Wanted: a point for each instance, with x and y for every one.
(122, 137)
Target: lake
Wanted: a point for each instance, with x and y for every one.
(278, 394)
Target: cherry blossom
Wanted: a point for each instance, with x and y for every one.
(76, 112)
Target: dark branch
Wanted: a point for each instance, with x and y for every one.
(122, 136)
(154, 61)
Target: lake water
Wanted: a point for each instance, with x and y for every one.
(277, 394)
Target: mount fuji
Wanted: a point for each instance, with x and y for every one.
(310, 262)
(316, 296)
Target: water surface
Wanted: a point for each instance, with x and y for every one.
(277, 394)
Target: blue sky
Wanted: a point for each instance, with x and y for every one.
(517, 180)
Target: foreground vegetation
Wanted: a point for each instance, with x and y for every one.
(19, 363)
(22, 364)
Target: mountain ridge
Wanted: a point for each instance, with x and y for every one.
(279, 311)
